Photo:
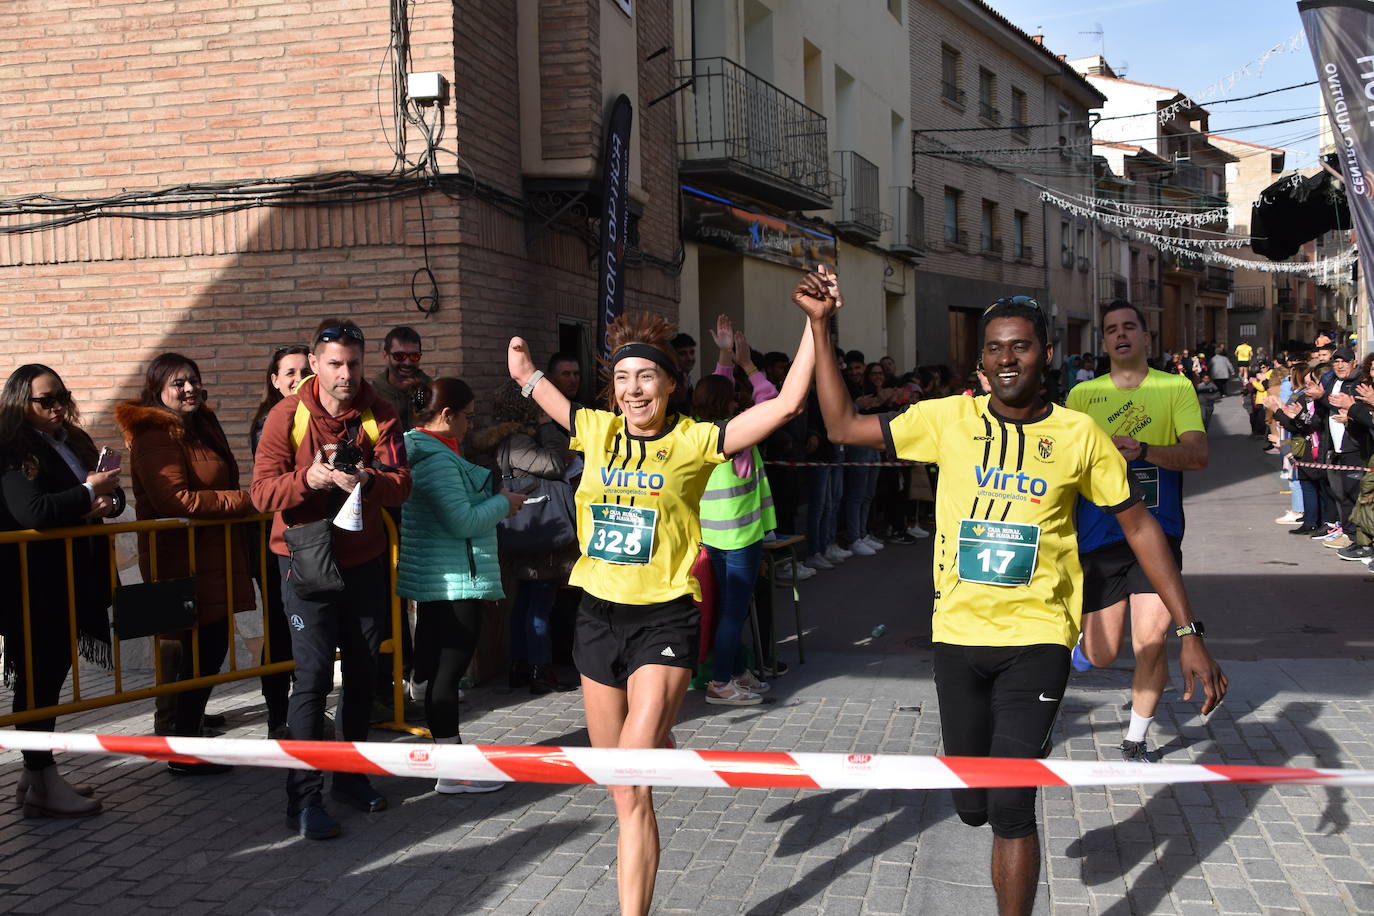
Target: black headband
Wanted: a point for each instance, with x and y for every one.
(649, 352)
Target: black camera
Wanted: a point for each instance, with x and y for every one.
(347, 457)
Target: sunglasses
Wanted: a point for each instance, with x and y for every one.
(53, 401)
(337, 332)
(402, 357)
(1027, 301)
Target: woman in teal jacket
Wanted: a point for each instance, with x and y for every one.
(448, 562)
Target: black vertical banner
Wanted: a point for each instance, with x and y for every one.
(615, 201)
(1341, 35)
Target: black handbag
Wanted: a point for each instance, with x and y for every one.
(148, 608)
(313, 570)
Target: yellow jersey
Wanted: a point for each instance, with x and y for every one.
(1006, 550)
(1243, 353)
(638, 505)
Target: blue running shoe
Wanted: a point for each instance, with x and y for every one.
(1079, 660)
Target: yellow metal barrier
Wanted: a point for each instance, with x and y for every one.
(78, 703)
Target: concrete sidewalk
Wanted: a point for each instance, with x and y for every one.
(1301, 695)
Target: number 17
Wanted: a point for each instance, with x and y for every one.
(1004, 558)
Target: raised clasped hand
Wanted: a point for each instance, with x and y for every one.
(818, 293)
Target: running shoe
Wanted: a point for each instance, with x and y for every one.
(900, 537)
(1322, 534)
(817, 561)
(748, 682)
(466, 786)
(784, 571)
(1356, 553)
(1289, 518)
(873, 542)
(1337, 542)
(1135, 752)
(1079, 659)
(917, 531)
(861, 548)
(1303, 529)
(730, 694)
(836, 554)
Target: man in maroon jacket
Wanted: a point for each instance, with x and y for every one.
(308, 462)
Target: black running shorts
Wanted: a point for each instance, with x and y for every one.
(999, 702)
(614, 640)
(1112, 574)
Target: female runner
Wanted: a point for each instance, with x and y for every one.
(638, 529)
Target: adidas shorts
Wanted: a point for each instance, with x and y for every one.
(614, 640)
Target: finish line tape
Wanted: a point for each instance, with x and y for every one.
(1318, 466)
(634, 767)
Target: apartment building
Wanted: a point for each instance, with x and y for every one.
(219, 177)
(996, 118)
(794, 150)
(1189, 176)
(1129, 264)
(1255, 313)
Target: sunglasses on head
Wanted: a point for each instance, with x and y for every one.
(52, 401)
(337, 332)
(402, 357)
(1027, 301)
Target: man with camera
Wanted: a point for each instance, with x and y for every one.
(318, 446)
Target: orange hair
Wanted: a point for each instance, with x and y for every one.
(636, 328)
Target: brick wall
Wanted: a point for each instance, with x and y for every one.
(147, 95)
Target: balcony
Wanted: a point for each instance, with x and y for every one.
(742, 133)
(1144, 293)
(952, 94)
(1218, 279)
(989, 113)
(909, 222)
(1084, 264)
(955, 240)
(1249, 298)
(1111, 287)
(856, 212)
(1181, 261)
(1287, 299)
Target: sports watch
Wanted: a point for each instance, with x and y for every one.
(1191, 629)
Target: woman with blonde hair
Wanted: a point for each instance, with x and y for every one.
(646, 468)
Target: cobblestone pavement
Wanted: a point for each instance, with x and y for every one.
(218, 844)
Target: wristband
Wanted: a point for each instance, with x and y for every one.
(528, 388)
(1144, 450)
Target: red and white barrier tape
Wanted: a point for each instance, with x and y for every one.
(706, 769)
(1316, 466)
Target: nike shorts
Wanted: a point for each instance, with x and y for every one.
(612, 640)
(999, 702)
(1112, 574)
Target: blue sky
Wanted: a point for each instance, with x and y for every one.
(1192, 45)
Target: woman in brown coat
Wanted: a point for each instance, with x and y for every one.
(182, 467)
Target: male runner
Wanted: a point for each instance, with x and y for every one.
(1243, 353)
(1007, 579)
(1155, 421)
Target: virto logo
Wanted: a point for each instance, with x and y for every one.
(1006, 482)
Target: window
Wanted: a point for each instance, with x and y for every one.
(988, 240)
(1066, 243)
(1020, 112)
(1018, 235)
(895, 8)
(987, 95)
(1081, 247)
(951, 216)
(949, 75)
(1249, 330)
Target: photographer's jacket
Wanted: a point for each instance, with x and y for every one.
(279, 470)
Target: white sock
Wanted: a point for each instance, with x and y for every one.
(1140, 726)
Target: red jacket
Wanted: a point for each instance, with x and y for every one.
(279, 473)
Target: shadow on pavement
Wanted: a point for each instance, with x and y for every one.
(1181, 826)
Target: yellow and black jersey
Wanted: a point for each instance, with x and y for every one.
(1006, 552)
(637, 505)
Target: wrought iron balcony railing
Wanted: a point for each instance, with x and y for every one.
(857, 212)
(909, 221)
(742, 132)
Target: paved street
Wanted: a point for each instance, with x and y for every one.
(1288, 620)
